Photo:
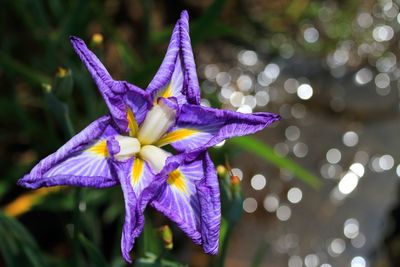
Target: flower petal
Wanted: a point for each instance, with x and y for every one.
(134, 220)
(139, 185)
(200, 127)
(193, 88)
(82, 161)
(177, 75)
(138, 101)
(190, 198)
(112, 91)
(134, 175)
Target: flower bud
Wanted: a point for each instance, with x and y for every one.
(166, 236)
(97, 39)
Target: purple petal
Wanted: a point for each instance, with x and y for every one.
(204, 127)
(190, 198)
(112, 91)
(82, 161)
(177, 74)
(138, 101)
(193, 88)
(139, 185)
(154, 188)
(133, 178)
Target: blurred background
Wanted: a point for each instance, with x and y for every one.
(318, 189)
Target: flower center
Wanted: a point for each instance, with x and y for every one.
(128, 147)
(155, 157)
(157, 122)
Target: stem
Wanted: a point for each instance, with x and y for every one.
(77, 228)
(68, 125)
(224, 246)
(77, 200)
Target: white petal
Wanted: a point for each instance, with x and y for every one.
(154, 156)
(128, 147)
(159, 119)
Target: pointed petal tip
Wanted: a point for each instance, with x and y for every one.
(278, 117)
(25, 182)
(211, 251)
(21, 182)
(269, 118)
(127, 256)
(73, 39)
(185, 15)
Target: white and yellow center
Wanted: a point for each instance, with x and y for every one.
(143, 144)
(141, 140)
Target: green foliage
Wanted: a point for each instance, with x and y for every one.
(264, 151)
(17, 246)
(96, 258)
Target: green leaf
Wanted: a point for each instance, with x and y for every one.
(260, 255)
(206, 21)
(63, 84)
(149, 242)
(4, 186)
(264, 151)
(60, 111)
(95, 256)
(11, 65)
(17, 246)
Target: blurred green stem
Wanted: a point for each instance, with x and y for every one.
(77, 200)
(77, 228)
(224, 246)
(263, 150)
(30, 74)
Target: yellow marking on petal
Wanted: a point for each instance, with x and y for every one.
(176, 135)
(132, 124)
(99, 148)
(168, 91)
(165, 93)
(177, 179)
(137, 169)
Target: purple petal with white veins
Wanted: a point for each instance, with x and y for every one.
(193, 88)
(199, 127)
(190, 198)
(139, 185)
(134, 175)
(82, 161)
(112, 91)
(177, 75)
(138, 101)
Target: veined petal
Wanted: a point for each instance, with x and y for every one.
(138, 102)
(199, 127)
(134, 175)
(139, 174)
(139, 185)
(177, 74)
(112, 91)
(190, 198)
(82, 161)
(174, 87)
(193, 88)
(158, 121)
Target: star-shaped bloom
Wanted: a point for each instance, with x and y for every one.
(126, 147)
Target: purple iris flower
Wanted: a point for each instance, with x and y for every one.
(126, 147)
